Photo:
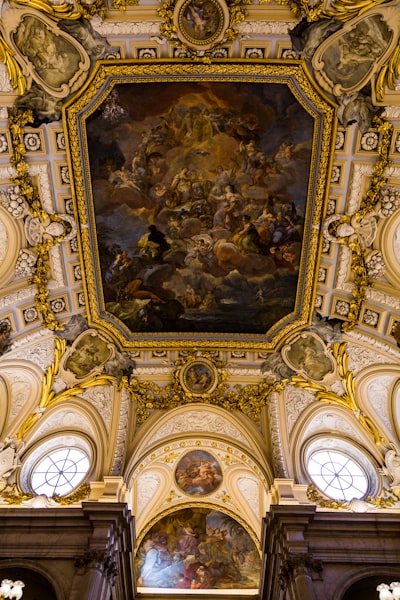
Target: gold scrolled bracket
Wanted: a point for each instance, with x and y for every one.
(49, 397)
(388, 75)
(64, 10)
(348, 399)
(15, 75)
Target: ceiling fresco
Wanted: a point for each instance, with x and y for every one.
(212, 188)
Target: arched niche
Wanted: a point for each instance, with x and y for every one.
(23, 381)
(202, 472)
(324, 426)
(200, 419)
(199, 454)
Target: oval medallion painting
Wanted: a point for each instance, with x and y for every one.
(198, 473)
(197, 548)
(200, 23)
(199, 377)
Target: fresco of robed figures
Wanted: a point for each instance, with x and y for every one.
(199, 192)
(198, 549)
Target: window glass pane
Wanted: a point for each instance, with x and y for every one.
(59, 472)
(337, 475)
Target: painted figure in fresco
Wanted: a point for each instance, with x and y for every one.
(155, 570)
(198, 549)
(198, 474)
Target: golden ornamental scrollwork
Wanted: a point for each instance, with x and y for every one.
(248, 399)
(15, 74)
(386, 500)
(16, 123)
(343, 10)
(13, 495)
(367, 206)
(50, 397)
(347, 399)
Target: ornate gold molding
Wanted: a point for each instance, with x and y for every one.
(348, 399)
(16, 123)
(386, 500)
(12, 495)
(367, 206)
(248, 399)
(49, 397)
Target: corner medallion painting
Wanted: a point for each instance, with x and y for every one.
(200, 188)
(197, 549)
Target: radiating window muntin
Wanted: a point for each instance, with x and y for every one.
(337, 475)
(59, 472)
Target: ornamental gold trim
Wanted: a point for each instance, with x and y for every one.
(368, 204)
(348, 399)
(17, 120)
(248, 399)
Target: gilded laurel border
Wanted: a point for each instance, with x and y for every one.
(96, 90)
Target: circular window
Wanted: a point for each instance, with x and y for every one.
(337, 475)
(59, 472)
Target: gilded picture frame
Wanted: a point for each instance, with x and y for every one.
(175, 165)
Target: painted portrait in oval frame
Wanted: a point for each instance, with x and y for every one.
(199, 377)
(198, 473)
(201, 23)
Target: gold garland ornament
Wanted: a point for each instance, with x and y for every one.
(367, 206)
(385, 500)
(248, 399)
(16, 122)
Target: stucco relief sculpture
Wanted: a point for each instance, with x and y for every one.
(10, 449)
